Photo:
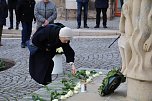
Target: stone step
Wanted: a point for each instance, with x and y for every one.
(77, 32)
(94, 32)
(11, 35)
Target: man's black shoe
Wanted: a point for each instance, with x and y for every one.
(16, 28)
(78, 27)
(86, 26)
(23, 45)
(1, 44)
(105, 27)
(10, 28)
(96, 26)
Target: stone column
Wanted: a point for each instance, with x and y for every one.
(135, 47)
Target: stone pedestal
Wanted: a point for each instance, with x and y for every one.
(58, 68)
(136, 50)
(139, 90)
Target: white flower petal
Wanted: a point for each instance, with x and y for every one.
(90, 77)
(76, 88)
(88, 80)
(55, 100)
(100, 73)
(97, 74)
(62, 97)
(67, 96)
(70, 93)
(87, 73)
(76, 92)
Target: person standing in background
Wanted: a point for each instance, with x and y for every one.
(25, 14)
(80, 4)
(45, 12)
(3, 16)
(101, 5)
(11, 7)
(121, 2)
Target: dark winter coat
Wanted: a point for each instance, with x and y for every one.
(101, 3)
(25, 10)
(47, 40)
(12, 4)
(82, 0)
(3, 12)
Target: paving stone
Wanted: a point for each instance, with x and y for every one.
(90, 53)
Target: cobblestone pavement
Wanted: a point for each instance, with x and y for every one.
(16, 81)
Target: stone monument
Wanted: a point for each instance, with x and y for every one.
(135, 45)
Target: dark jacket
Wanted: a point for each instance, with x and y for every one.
(25, 10)
(101, 3)
(47, 40)
(3, 12)
(82, 0)
(12, 4)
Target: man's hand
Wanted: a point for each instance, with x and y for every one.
(73, 69)
(34, 22)
(46, 22)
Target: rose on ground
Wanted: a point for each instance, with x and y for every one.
(76, 88)
(88, 80)
(67, 96)
(100, 73)
(70, 93)
(78, 85)
(90, 77)
(63, 97)
(87, 73)
(55, 100)
(95, 75)
(76, 92)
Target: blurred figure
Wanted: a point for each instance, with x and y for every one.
(11, 7)
(3, 16)
(25, 14)
(45, 13)
(80, 4)
(121, 2)
(101, 5)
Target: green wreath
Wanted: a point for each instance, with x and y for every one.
(111, 82)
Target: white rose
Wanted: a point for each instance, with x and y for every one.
(76, 88)
(87, 73)
(67, 96)
(55, 100)
(59, 50)
(95, 75)
(90, 77)
(76, 92)
(88, 80)
(100, 73)
(78, 85)
(62, 97)
(70, 93)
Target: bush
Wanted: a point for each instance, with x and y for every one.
(2, 64)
